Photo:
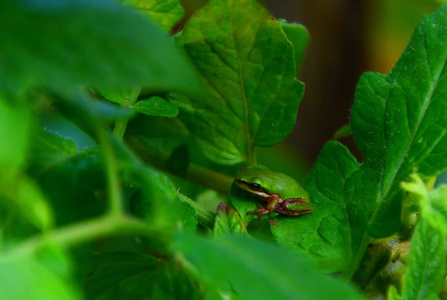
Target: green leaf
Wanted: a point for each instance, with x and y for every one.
(32, 204)
(257, 270)
(127, 275)
(118, 96)
(48, 148)
(73, 183)
(325, 234)
(66, 44)
(156, 106)
(299, 37)
(27, 278)
(15, 125)
(343, 132)
(247, 65)
(110, 269)
(74, 186)
(24, 211)
(228, 221)
(393, 294)
(165, 13)
(398, 122)
(55, 258)
(20, 194)
(426, 263)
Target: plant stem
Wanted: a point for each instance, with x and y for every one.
(120, 126)
(82, 232)
(113, 183)
(195, 173)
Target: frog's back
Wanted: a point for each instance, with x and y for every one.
(288, 187)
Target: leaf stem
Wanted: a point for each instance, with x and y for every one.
(113, 182)
(82, 232)
(121, 125)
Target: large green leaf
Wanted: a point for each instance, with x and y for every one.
(399, 122)
(325, 234)
(257, 270)
(165, 13)
(247, 65)
(64, 44)
(426, 263)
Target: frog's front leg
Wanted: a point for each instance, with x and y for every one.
(260, 211)
(274, 201)
(294, 207)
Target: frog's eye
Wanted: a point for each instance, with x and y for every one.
(255, 186)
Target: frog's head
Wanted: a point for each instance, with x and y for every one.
(255, 179)
(262, 182)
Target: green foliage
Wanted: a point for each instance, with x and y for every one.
(56, 49)
(111, 222)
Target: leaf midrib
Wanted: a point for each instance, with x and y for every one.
(248, 140)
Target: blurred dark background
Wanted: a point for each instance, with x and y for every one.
(348, 37)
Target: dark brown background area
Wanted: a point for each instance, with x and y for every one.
(331, 68)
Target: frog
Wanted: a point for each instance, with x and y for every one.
(283, 194)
